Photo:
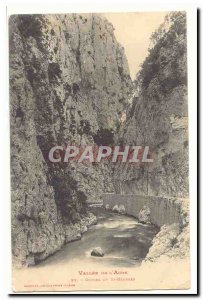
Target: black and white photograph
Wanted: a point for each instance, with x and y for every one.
(102, 150)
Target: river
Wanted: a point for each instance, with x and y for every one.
(124, 241)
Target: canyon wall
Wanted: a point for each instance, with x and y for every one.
(158, 117)
(69, 82)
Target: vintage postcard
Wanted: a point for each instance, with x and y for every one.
(99, 151)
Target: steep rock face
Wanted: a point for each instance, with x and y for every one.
(158, 118)
(69, 82)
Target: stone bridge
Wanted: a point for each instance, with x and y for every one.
(163, 210)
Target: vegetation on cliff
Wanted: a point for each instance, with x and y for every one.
(158, 116)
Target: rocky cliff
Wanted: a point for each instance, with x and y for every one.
(158, 117)
(69, 82)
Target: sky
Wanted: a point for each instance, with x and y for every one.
(133, 31)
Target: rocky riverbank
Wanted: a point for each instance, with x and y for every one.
(170, 215)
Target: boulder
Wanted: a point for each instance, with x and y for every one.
(30, 261)
(144, 215)
(164, 242)
(121, 209)
(115, 208)
(97, 252)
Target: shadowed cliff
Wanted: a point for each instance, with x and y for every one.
(69, 82)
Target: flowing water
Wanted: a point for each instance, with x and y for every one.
(124, 241)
